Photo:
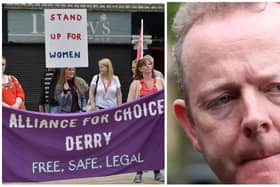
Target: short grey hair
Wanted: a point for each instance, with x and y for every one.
(190, 14)
(195, 13)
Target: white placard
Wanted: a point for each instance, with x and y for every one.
(66, 39)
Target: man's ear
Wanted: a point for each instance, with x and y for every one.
(180, 112)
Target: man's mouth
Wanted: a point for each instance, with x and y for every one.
(259, 169)
(252, 158)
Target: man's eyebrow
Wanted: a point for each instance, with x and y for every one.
(265, 77)
(220, 86)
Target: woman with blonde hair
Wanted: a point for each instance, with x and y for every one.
(105, 87)
(71, 91)
(145, 82)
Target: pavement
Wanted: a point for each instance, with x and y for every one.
(147, 178)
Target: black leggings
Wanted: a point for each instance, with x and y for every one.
(141, 172)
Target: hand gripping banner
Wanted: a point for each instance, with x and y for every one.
(43, 147)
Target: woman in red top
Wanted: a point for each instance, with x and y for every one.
(12, 92)
(145, 82)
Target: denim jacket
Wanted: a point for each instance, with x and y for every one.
(65, 100)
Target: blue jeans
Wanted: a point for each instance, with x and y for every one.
(51, 109)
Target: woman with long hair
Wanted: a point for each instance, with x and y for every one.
(105, 87)
(71, 91)
(145, 82)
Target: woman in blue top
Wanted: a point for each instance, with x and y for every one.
(71, 91)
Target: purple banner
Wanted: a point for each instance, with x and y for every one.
(43, 147)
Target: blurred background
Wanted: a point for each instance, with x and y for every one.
(184, 165)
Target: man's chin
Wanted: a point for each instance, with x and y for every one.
(261, 171)
(267, 178)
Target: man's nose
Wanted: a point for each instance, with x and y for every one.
(255, 119)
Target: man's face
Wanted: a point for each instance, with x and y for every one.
(233, 81)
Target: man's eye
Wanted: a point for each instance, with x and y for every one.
(275, 87)
(222, 100)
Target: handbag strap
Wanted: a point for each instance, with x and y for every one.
(97, 79)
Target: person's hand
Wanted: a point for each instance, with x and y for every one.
(41, 108)
(17, 103)
(5, 104)
(93, 107)
(90, 107)
(15, 106)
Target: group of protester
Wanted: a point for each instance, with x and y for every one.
(63, 91)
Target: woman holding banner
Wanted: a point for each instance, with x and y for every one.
(71, 91)
(105, 88)
(12, 91)
(145, 82)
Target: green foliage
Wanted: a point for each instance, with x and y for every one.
(171, 11)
